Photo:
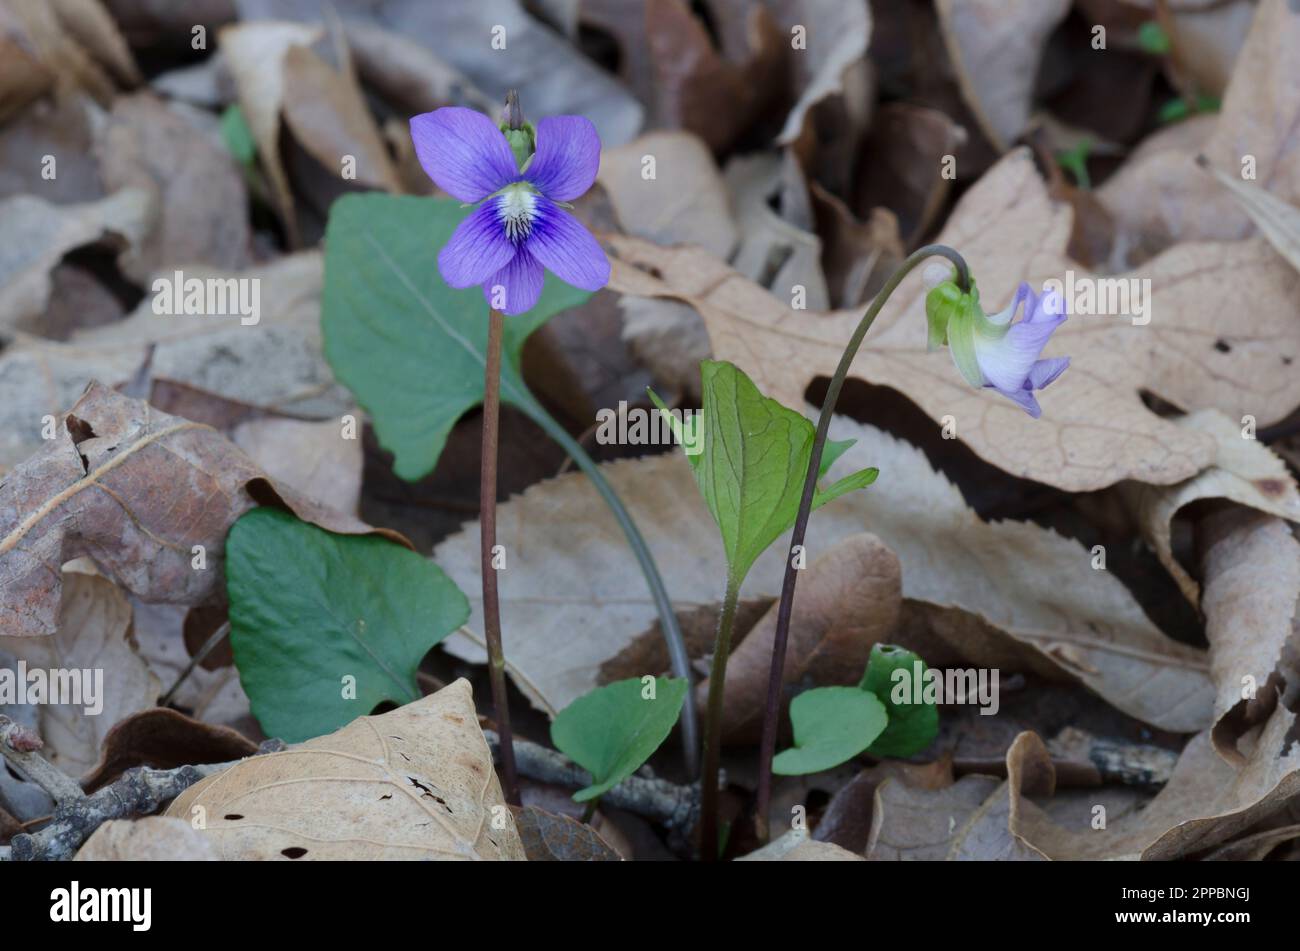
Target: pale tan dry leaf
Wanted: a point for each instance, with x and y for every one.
(991, 831)
(1095, 429)
(201, 199)
(848, 602)
(1165, 198)
(836, 37)
(573, 598)
(62, 126)
(779, 251)
(328, 115)
(1206, 802)
(1277, 220)
(1204, 44)
(90, 25)
(315, 459)
(42, 233)
(43, 44)
(998, 87)
(276, 365)
(416, 783)
(796, 846)
(255, 53)
(1244, 471)
(911, 824)
(136, 490)
(93, 635)
(686, 195)
(1251, 563)
(148, 839)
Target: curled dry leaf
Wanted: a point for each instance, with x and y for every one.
(327, 113)
(911, 824)
(148, 839)
(276, 367)
(1095, 429)
(163, 738)
(1245, 471)
(1277, 220)
(195, 185)
(255, 53)
(1251, 564)
(416, 783)
(1164, 197)
(93, 637)
(997, 84)
(50, 231)
(574, 605)
(849, 601)
(138, 491)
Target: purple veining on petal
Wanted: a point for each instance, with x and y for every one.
(463, 152)
(567, 157)
(478, 248)
(564, 246)
(521, 280)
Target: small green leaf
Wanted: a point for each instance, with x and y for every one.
(752, 464)
(409, 347)
(309, 608)
(831, 726)
(237, 136)
(1152, 38)
(611, 731)
(1075, 161)
(913, 725)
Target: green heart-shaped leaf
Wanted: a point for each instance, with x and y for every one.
(325, 627)
(831, 726)
(611, 731)
(891, 674)
(752, 462)
(408, 346)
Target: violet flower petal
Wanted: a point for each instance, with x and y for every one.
(478, 248)
(522, 281)
(567, 157)
(563, 245)
(463, 152)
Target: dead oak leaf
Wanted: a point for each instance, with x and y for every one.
(142, 493)
(1095, 429)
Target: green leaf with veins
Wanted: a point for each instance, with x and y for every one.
(752, 463)
(613, 730)
(309, 608)
(409, 347)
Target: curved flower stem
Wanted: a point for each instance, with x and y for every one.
(678, 658)
(487, 542)
(713, 723)
(767, 746)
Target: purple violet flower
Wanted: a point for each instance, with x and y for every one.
(520, 228)
(995, 350)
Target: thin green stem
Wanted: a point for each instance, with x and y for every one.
(767, 746)
(487, 545)
(678, 658)
(713, 723)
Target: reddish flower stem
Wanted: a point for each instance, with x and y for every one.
(487, 542)
(767, 746)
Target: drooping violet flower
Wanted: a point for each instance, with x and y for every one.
(995, 350)
(520, 226)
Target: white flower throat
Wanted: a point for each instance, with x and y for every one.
(516, 208)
